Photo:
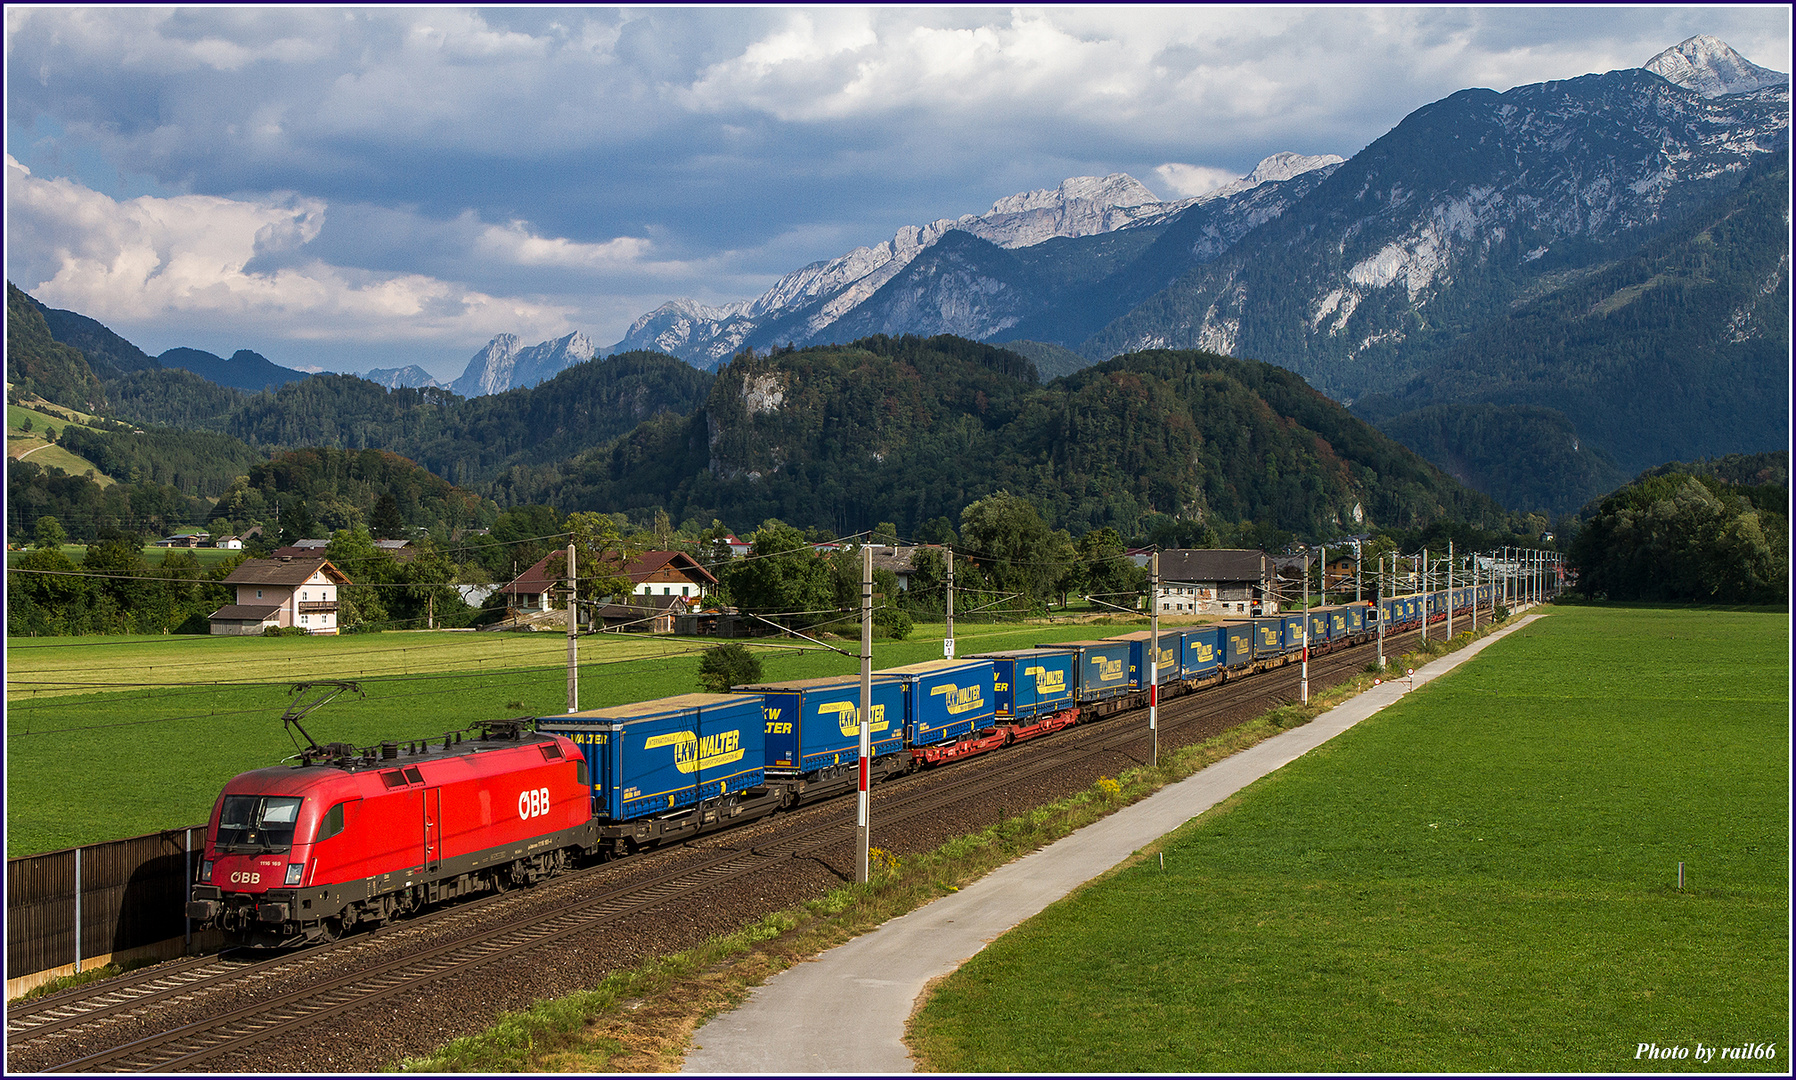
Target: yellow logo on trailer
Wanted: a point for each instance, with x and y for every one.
(960, 698)
(692, 753)
(1047, 681)
(847, 715)
(1108, 670)
(1205, 651)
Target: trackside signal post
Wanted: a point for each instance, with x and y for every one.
(866, 715)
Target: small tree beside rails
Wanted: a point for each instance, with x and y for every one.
(728, 665)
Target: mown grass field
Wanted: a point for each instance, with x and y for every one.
(1480, 878)
(108, 737)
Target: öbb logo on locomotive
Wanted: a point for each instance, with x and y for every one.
(533, 803)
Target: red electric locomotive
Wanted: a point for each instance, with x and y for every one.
(302, 853)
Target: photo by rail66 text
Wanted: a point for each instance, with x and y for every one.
(1704, 1055)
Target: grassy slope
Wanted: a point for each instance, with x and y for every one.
(20, 442)
(1482, 877)
(167, 720)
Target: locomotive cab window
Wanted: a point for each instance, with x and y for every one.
(264, 821)
(333, 823)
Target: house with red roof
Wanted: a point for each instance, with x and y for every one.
(658, 578)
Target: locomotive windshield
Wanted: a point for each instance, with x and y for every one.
(260, 821)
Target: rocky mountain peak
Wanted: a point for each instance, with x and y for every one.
(1280, 166)
(1711, 68)
(1115, 190)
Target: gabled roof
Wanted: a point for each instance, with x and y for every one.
(649, 562)
(286, 571)
(537, 580)
(534, 580)
(1214, 564)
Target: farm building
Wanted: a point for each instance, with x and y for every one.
(293, 591)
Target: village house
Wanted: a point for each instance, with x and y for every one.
(292, 591)
(1217, 581)
(664, 584)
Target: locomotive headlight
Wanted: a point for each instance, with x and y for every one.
(294, 870)
(206, 871)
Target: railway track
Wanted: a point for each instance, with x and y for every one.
(81, 1016)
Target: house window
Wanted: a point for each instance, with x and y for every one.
(667, 591)
(305, 596)
(303, 618)
(685, 590)
(258, 594)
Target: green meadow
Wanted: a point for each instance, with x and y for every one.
(108, 737)
(1483, 877)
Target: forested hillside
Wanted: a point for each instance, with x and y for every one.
(469, 441)
(37, 363)
(907, 429)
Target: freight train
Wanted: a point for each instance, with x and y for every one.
(350, 837)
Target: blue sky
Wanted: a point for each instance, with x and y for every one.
(349, 188)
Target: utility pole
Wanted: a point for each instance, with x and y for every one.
(1153, 662)
(948, 642)
(1474, 595)
(1427, 596)
(1449, 590)
(862, 802)
(1322, 580)
(1381, 599)
(573, 669)
(1305, 683)
(1358, 568)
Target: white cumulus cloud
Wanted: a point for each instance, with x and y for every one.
(149, 259)
(1188, 181)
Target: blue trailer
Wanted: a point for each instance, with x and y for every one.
(813, 725)
(1100, 668)
(1170, 642)
(1029, 682)
(1268, 636)
(656, 756)
(1202, 652)
(946, 699)
(1318, 626)
(1237, 645)
(1292, 630)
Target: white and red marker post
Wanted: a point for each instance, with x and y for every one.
(863, 799)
